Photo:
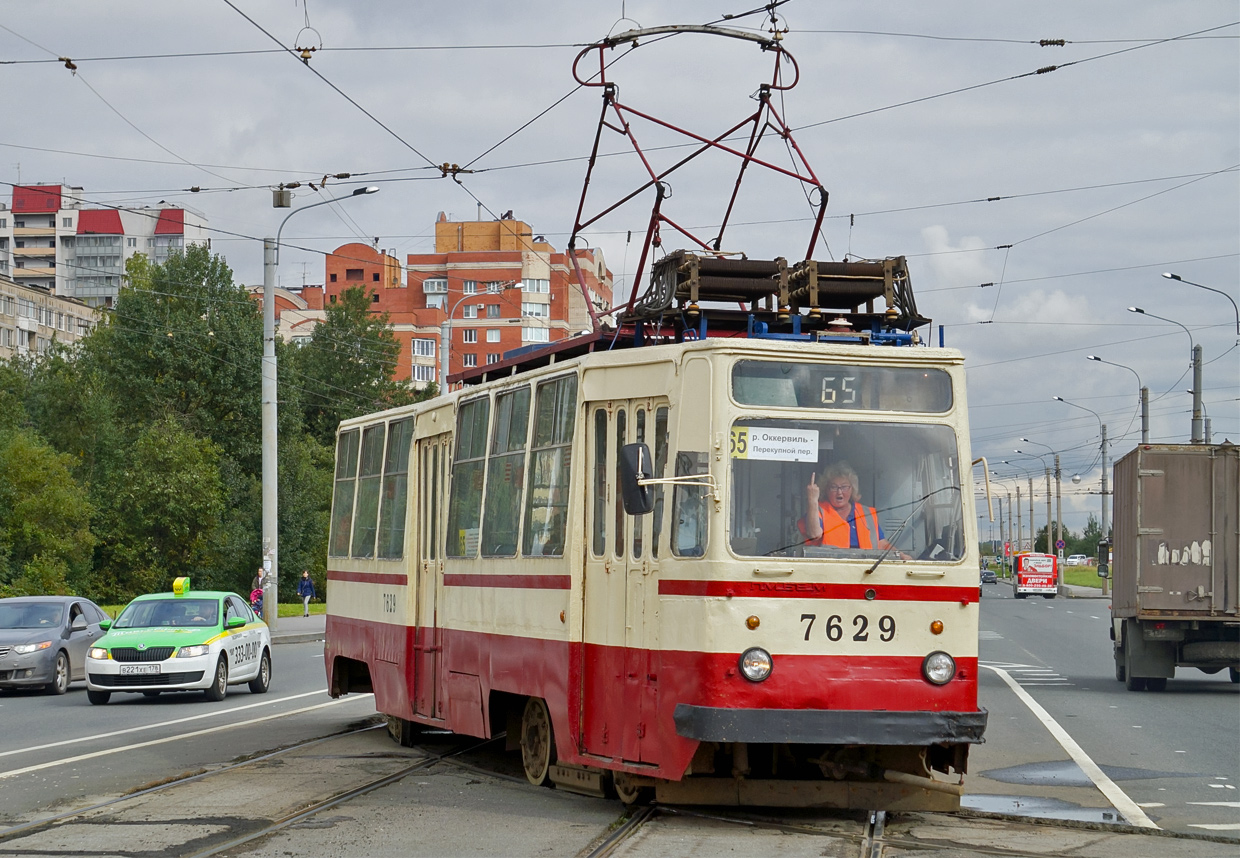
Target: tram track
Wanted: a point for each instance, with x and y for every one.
(27, 829)
(305, 784)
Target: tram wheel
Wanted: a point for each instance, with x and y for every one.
(537, 742)
(630, 794)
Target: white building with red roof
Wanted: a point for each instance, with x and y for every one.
(51, 240)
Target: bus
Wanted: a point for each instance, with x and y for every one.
(1035, 575)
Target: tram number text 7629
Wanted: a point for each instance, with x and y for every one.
(389, 603)
(860, 627)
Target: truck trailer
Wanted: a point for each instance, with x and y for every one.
(1176, 551)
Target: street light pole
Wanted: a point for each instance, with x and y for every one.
(1194, 362)
(1058, 499)
(1144, 395)
(445, 331)
(1102, 430)
(270, 468)
(1234, 308)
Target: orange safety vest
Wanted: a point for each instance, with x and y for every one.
(835, 529)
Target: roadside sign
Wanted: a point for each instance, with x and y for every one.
(1059, 543)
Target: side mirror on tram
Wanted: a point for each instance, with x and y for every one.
(635, 465)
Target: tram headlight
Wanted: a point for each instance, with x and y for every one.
(756, 664)
(938, 668)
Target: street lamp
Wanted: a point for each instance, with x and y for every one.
(1195, 362)
(445, 331)
(1048, 490)
(1058, 499)
(1029, 477)
(1102, 430)
(271, 563)
(1144, 396)
(1234, 309)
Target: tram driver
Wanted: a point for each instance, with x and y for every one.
(839, 519)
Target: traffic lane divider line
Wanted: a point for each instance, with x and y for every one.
(178, 738)
(1118, 798)
(145, 727)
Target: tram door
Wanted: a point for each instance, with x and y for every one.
(432, 461)
(620, 632)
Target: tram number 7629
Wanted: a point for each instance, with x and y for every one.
(861, 627)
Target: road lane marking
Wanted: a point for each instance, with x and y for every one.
(1118, 798)
(177, 738)
(1224, 826)
(1215, 803)
(213, 714)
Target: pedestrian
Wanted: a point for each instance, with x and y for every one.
(305, 589)
(258, 580)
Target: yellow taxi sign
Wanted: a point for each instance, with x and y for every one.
(180, 586)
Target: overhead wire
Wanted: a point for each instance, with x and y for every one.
(337, 89)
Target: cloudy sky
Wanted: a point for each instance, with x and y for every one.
(1070, 191)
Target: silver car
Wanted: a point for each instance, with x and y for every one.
(44, 639)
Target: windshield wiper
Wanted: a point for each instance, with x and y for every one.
(891, 541)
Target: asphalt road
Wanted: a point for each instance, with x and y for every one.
(1173, 757)
(1175, 754)
(58, 753)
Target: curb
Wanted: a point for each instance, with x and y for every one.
(302, 637)
(1095, 594)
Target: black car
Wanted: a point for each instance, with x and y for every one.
(43, 640)
(989, 577)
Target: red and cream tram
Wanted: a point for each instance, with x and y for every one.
(708, 555)
(484, 574)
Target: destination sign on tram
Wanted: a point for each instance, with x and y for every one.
(839, 386)
(774, 444)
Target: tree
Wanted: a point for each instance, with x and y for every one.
(347, 368)
(1087, 544)
(45, 536)
(163, 510)
(184, 339)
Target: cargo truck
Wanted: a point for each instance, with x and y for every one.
(1175, 555)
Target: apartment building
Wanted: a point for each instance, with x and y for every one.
(32, 318)
(415, 327)
(500, 286)
(50, 239)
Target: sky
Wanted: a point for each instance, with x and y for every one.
(1033, 209)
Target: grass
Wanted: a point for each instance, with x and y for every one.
(1082, 576)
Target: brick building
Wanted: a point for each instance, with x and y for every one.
(503, 287)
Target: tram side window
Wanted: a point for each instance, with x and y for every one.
(621, 429)
(395, 491)
(368, 483)
(546, 510)
(639, 523)
(465, 504)
(660, 470)
(342, 502)
(598, 536)
(506, 474)
(689, 512)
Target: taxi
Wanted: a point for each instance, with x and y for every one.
(184, 640)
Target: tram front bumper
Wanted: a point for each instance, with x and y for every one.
(829, 726)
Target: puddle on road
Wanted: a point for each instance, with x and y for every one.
(1048, 808)
(1068, 773)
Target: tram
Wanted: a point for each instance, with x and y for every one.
(720, 551)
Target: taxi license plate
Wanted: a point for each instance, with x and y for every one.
(135, 669)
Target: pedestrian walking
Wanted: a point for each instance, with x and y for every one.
(305, 589)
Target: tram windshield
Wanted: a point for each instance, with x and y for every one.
(817, 488)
